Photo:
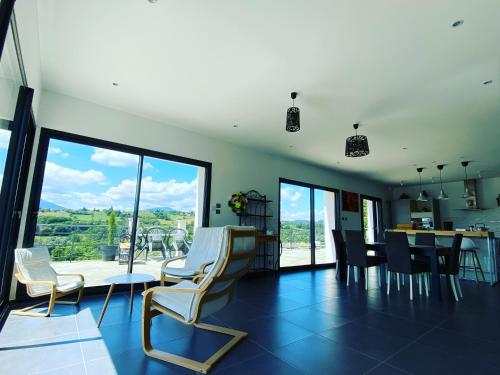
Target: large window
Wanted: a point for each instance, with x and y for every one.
(87, 207)
(371, 218)
(308, 213)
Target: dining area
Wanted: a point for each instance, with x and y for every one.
(431, 261)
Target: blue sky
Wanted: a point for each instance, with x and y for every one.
(295, 203)
(79, 176)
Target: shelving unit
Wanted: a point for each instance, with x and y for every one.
(257, 215)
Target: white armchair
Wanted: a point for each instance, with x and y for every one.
(201, 256)
(189, 302)
(33, 269)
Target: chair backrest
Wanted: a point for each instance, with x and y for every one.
(397, 252)
(205, 248)
(425, 239)
(468, 244)
(156, 234)
(235, 259)
(338, 241)
(355, 247)
(453, 261)
(34, 265)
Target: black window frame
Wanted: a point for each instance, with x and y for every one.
(378, 217)
(312, 235)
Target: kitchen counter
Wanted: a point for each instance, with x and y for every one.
(447, 232)
(487, 248)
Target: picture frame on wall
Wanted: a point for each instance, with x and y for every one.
(350, 201)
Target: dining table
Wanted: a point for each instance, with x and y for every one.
(432, 252)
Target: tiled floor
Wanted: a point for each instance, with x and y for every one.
(298, 323)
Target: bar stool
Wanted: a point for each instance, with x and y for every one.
(469, 248)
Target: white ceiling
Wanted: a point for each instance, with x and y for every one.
(399, 68)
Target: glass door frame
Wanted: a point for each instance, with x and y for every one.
(312, 234)
(39, 171)
(378, 215)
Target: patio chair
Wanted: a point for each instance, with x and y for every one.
(157, 238)
(177, 241)
(202, 254)
(33, 269)
(188, 302)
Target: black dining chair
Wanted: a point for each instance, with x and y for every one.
(340, 255)
(425, 239)
(357, 256)
(399, 261)
(451, 267)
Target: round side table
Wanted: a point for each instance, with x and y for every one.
(128, 278)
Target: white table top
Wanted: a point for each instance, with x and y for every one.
(130, 278)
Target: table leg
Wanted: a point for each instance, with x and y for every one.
(111, 287)
(131, 296)
(436, 281)
(145, 286)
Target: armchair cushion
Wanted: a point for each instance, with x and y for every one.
(179, 303)
(34, 264)
(180, 271)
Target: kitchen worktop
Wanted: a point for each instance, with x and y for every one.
(447, 232)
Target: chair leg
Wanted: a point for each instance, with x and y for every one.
(388, 282)
(356, 273)
(348, 272)
(474, 265)
(426, 283)
(366, 278)
(397, 281)
(411, 286)
(474, 254)
(459, 288)
(419, 284)
(453, 287)
(403, 277)
(379, 276)
(464, 263)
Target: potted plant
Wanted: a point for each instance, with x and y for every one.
(109, 251)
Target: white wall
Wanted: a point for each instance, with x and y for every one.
(234, 168)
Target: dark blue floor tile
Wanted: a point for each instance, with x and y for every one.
(393, 325)
(384, 369)
(420, 359)
(312, 319)
(318, 355)
(373, 342)
(263, 364)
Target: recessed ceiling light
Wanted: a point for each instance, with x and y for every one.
(235, 125)
(115, 83)
(434, 162)
(404, 148)
(487, 82)
(153, 1)
(457, 23)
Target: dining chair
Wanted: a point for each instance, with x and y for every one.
(358, 258)
(188, 302)
(399, 261)
(425, 239)
(340, 256)
(197, 261)
(33, 269)
(451, 267)
(156, 240)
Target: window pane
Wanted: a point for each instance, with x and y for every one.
(295, 225)
(324, 222)
(171, 206)
(86, 209)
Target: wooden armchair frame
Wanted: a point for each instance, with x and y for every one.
(54, 294)
(164, 277)
(150, 309)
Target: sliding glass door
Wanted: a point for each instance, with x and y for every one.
(308, 213)
(84, 206)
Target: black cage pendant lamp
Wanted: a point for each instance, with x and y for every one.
(421, 195)
(442, 195)
(293, 116)
(467, 193)
(356, 145)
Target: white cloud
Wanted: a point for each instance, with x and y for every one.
(114, 158)
(59, 178)
(4, 139)
(290, 195)
(291, 216)
(293, 205)
(54, 150)
(65, 155)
